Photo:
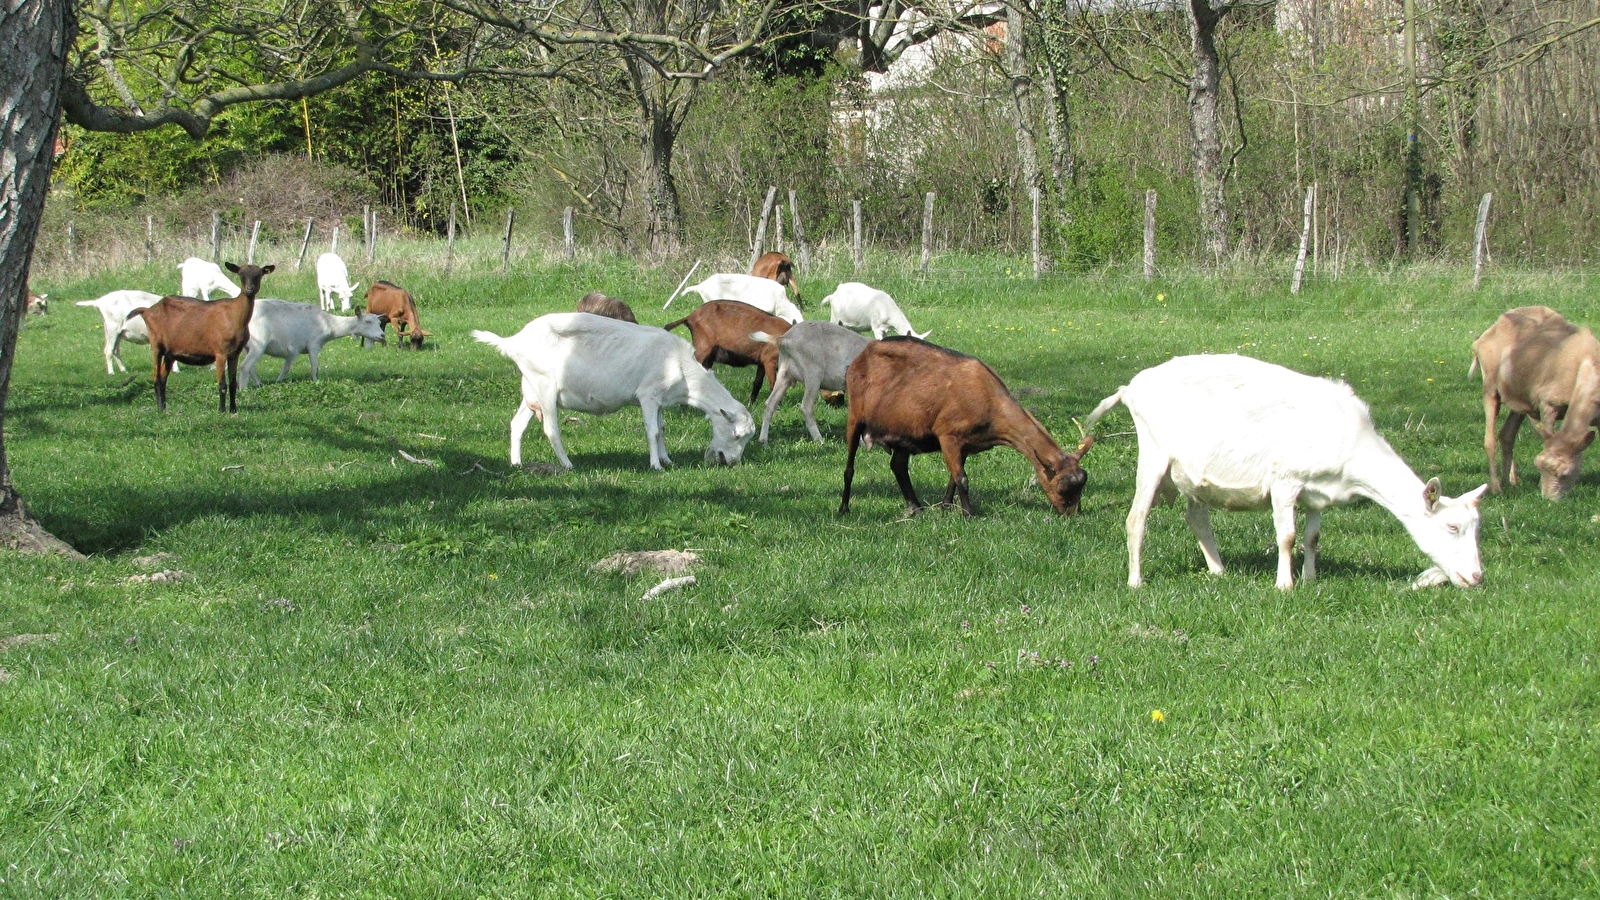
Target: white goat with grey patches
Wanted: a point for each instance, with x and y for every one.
(1231, 432)
(201, 277)
(285, 330)
(816, 354)
(856, 305)
(598, 365)
(762, 293)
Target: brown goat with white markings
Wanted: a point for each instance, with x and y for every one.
(186, 330)
(777, 267)
(1538, 364)
(915, 397)
(596, 303)
(395, 305)
(720, 331)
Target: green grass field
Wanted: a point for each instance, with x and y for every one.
(384, 679)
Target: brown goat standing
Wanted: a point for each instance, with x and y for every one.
(720, 331)
(395, 305)
(1538, 364)
(777, 267)
(599, 304)
(197, 333)
(915, 397)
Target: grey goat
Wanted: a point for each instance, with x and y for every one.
(815, 354)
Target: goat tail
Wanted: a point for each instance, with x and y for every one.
(1473, 368)
(135, 313)
(1104, 407)
(761, 337)
(492, 339)
(671, 325)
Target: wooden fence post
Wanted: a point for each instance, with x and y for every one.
(799, 233)
(566, 231)
(761, 227)
(304, 243)
(777, 243)
(927, 230)
(1480, 239)
(255, 232)
(72, 242)
(1305, 241)
(333, 245)
(372, 235)
(855, 242)
(216, 236)
(149, 239)
(505, 249)
(1038, 257)
(366, 229)
(450, 242)
(1150, 234)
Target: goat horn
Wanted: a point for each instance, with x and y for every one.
(1081, 432)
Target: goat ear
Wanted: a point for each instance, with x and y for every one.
(1545, 434)
(231, 268)
(1474, 495)
(1588, 438)
(1430, 494)
(1083, 446)
(268, 270)
(727, 415)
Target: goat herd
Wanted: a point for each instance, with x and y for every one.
(1224, 431)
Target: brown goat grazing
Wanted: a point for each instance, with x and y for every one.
(1538, 364)
(197, 333)
(779, 268)
(720, 330)
(915, 397)
(599, 304)
(394, 304)
(38, 304)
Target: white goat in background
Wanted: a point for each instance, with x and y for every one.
(598, 365)
(762, 293)
(859, 306)
(333, 279)
(114, 308)
(201, 277)
(1231, 432)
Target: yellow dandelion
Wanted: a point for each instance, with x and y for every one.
(493, 575)
(1157, 716)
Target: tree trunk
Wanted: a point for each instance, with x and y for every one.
(1024, 115)
(1063, 166)
(1205, 127)
(663, 105)
(33, 46)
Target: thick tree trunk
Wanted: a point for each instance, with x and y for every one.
(33, 39)
(1205, 127)
(658, 134)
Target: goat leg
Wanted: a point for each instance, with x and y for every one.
(899, 464)
(852, 441)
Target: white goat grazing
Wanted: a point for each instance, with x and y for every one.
(114, 308)
(598, 365)
(285, 330)
(333, 279)
(762, 293)
(1231, 432)
(856, 305)
(816, 354)
(201, 277)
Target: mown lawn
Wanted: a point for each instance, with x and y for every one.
(385, 679)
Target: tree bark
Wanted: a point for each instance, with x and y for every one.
(1205, 127)
(663, 104)
(1024, 116)
(33, 47)
(1057, 58)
